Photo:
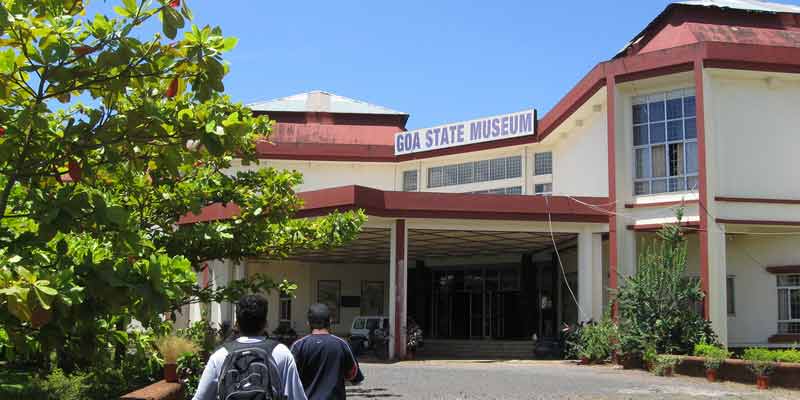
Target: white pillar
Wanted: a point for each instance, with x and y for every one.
(597, 276)
(585, 276)
(717, 281)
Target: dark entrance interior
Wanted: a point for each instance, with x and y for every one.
(494, 301)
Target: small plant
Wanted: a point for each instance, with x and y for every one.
(665, 364)
(714, 355)
(762, 361)
(649, 356)
(171, 347)
(60, 386)
(190, 369)
(596, 340)
(788, 355)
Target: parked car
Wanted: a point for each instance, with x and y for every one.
(364, 331)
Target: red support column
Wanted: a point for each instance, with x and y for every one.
(399, 322)
(611, 88)
(701, 177)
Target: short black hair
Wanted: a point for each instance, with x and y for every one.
(251, 314)
(319, 316)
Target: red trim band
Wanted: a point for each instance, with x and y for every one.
(756, 222)
(756, 200)
(784, 269)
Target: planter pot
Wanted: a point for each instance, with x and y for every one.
(584, 361)
(762, 382)
(631, 361)
(171, 372)
(711, 375)
(667, 371)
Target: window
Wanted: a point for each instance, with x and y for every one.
(475, 171)
(410, 181)
(789, 304)
(543, 163)
(285, 306)
(505, 191)
(543, 188)
(731, 295)
(665, 142)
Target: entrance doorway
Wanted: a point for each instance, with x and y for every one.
(477, 302)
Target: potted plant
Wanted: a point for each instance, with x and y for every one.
(665, 364)
(713, 356)
(762, 363)
(649, 357)
(171, 347)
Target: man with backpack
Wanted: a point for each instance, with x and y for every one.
(324, 361)
(251, 367)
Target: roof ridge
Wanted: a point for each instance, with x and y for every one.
(368, 108)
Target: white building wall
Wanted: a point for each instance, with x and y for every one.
(756, 298)
(757, 126)
(328, 174)
(306, 275)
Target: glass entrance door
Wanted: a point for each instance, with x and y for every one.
(476, 303)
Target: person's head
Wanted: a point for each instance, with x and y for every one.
(319, 316)
(251, 314)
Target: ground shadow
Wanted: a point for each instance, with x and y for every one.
(369, 393)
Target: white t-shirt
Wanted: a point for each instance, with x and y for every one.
(287, 370)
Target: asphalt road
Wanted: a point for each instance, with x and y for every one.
(452, 380)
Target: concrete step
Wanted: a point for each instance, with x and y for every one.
(476, 349)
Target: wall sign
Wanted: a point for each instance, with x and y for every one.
(489, 129)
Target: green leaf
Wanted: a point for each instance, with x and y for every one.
(7, 62)
(117, 215)
(14, 259)
(120, 337)
(229, 43)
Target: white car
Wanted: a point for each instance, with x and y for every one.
(363, 326)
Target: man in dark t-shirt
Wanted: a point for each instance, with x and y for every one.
(324, 361)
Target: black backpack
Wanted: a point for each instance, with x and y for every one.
(250, 373)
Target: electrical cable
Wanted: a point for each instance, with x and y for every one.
(558, 257)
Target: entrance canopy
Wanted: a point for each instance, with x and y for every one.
(372, 245)
(392, 204)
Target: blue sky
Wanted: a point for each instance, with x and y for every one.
(440, 61)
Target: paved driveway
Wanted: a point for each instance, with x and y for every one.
(537, 380)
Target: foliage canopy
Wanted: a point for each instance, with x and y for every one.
(108, 138)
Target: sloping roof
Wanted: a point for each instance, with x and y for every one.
(750, 5)
(755, 6)
(321, 101)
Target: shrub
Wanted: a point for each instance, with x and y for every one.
(665, 363)
(172, 347)
(788, 355)
(190, 368)
(657, 305)
(714, 355)
(762, 361)
(650, 354)
(60, 386)
(596, 340)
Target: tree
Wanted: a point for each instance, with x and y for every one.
(657, 305)
(106, 141)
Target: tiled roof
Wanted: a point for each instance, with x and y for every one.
(321, 101)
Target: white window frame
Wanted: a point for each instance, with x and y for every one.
(416, 180)
(648, 179)
(543, 193)
(793, 319)
(536, 171)
(457, 175)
